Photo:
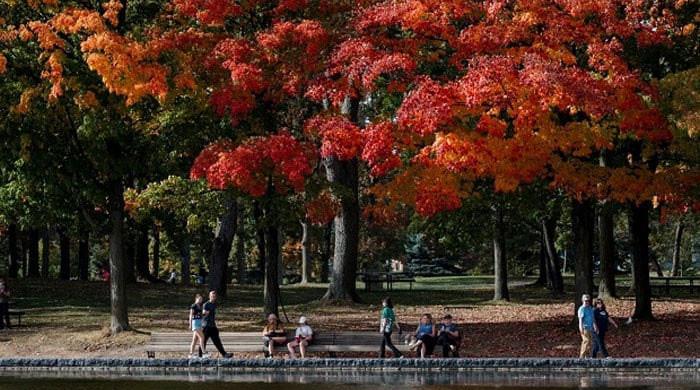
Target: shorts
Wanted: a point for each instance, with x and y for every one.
(196, 324)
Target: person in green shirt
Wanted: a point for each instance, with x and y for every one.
(386, 326)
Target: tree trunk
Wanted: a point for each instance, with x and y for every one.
(305, 253)
(657, 266)
(543, 276)
(240, 253)
(240, 248)
(84, 256)
(606, 241)
(64, 249)
(130, 260)
(271, 288)
(280, 263)
(117, 279)
(33, 253)
(155, 266)
(14, 255)
(678, 238)
(344, 174)
(500, 262)
(325, 256)
(553, 261)
(260, 239)
(185, 258)
(639, 238)
(45, 252)
(221, 248)
(25, 250)
(582, 221)
(142, 257)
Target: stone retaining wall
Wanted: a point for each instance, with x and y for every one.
(560, 364)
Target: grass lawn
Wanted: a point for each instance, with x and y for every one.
(71, 318)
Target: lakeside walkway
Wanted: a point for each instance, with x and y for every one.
(457, 364)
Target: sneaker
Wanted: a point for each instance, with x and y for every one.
(228, 356)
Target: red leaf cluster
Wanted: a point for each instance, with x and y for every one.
(257, 164)
(340, 138)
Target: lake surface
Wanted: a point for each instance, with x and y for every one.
(345, 380)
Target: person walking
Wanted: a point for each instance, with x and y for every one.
(386, 327)
(196, 326)
(586, 325)
(602, 319)
(209, 326)
(4, 305)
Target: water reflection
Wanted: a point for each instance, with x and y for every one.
(358, 379)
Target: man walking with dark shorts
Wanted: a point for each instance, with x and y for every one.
(209, 325)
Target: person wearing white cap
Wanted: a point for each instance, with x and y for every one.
(303, 337)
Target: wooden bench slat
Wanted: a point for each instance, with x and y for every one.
(327, 341)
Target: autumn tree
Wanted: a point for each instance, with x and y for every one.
(510, 92)
(85, 64)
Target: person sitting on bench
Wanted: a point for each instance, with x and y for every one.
(425, 336)
(448, 336)
(302, 339)
(273, 333)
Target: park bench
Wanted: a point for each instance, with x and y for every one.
(396, 277)
(666, 282)
(330, 342)
(17, 314)
(375, 280)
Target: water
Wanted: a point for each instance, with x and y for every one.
(76, 379)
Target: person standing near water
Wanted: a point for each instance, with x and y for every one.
(586, 325)
(196, 326)
(209, 325)
(386, 327)
(602, 319)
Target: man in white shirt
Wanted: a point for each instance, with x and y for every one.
(303, 337)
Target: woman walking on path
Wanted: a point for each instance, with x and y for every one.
(602, 319)
(386, 327)
(196, 326)
(273, 333)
